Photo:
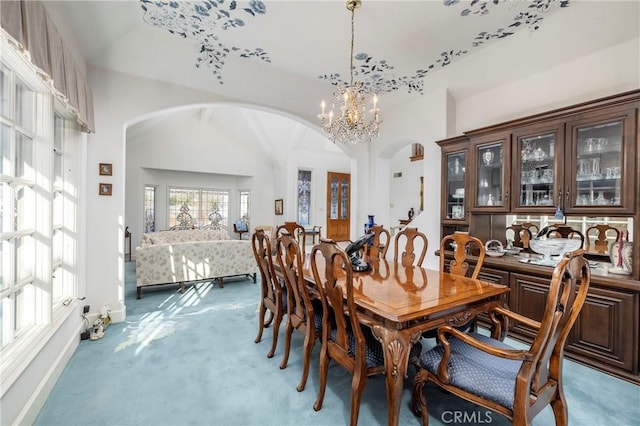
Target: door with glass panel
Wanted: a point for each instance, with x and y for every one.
(600, 176)
(538, 168)
(338, 206)
(490, 183)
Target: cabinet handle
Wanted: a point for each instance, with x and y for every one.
(560, 198)
(506, 195)
(567, 196)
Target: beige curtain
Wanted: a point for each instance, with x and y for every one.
(33, 32)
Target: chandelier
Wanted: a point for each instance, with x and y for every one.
(352, 123)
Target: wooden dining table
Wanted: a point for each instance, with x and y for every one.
(399, 303)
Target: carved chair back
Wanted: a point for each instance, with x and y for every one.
(296, 231)
(381, 240)
(410, 235)
(601, 232)
(519, 235)
(464, 245)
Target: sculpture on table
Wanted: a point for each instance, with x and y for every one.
(411, 213)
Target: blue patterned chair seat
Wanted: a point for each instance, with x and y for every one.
(374, 355)
(476, 371)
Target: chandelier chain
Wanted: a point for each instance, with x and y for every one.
(354, 122)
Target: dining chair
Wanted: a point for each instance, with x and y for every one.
(532, 227)
(519, 235)
(381, 240)
(303, 312)
(344, 338)
(296, 231)
(601, 233)
(564, 231)
(273, 299)
(410, 235)
(516, 383)
(463, 246)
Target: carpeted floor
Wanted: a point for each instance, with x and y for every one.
(190, 359)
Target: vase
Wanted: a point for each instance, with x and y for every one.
(621, 258)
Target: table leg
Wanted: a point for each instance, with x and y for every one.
(396, 345)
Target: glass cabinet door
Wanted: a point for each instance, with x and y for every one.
(537, 181)
(455, 187)
(491, 185)
(602, 175)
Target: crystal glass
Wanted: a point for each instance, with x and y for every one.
(553, 247)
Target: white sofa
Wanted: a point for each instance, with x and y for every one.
(181, 256)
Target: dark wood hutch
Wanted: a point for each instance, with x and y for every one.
(581, 160)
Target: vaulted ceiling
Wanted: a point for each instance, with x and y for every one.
(285, 55)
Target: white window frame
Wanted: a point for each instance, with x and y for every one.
(42, 313)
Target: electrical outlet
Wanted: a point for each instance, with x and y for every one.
(85, 310)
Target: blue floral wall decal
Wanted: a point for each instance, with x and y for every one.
(200, 21)
(204, 21)
(377, 75)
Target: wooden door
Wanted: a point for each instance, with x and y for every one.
(338, 206)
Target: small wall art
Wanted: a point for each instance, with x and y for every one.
(105, 189)
(106, 169)
(279, 205)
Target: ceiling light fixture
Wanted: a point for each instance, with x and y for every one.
(353, 123)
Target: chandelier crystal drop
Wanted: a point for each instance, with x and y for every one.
(353, 122)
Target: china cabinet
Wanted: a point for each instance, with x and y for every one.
(583, 161)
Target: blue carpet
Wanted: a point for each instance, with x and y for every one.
(190, 359)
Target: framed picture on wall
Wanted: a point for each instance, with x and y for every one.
(105, 169)
(279, 209)
(105, 189)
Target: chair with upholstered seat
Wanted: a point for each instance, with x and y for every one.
(602, 233)
(410, 235)
(273, 298)
(516, 383)
(344, 339)
(381, 240)
(296, 231)
(303, 313)
(463, 246)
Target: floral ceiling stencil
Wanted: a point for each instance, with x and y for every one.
(377, 75)
(202, 21)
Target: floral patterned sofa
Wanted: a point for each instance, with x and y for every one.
(180, 256)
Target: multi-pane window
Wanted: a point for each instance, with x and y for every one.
(304, 197)
(19, 295)
(245, 205)
(205, 207)
(38, 207)
(149, 208)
